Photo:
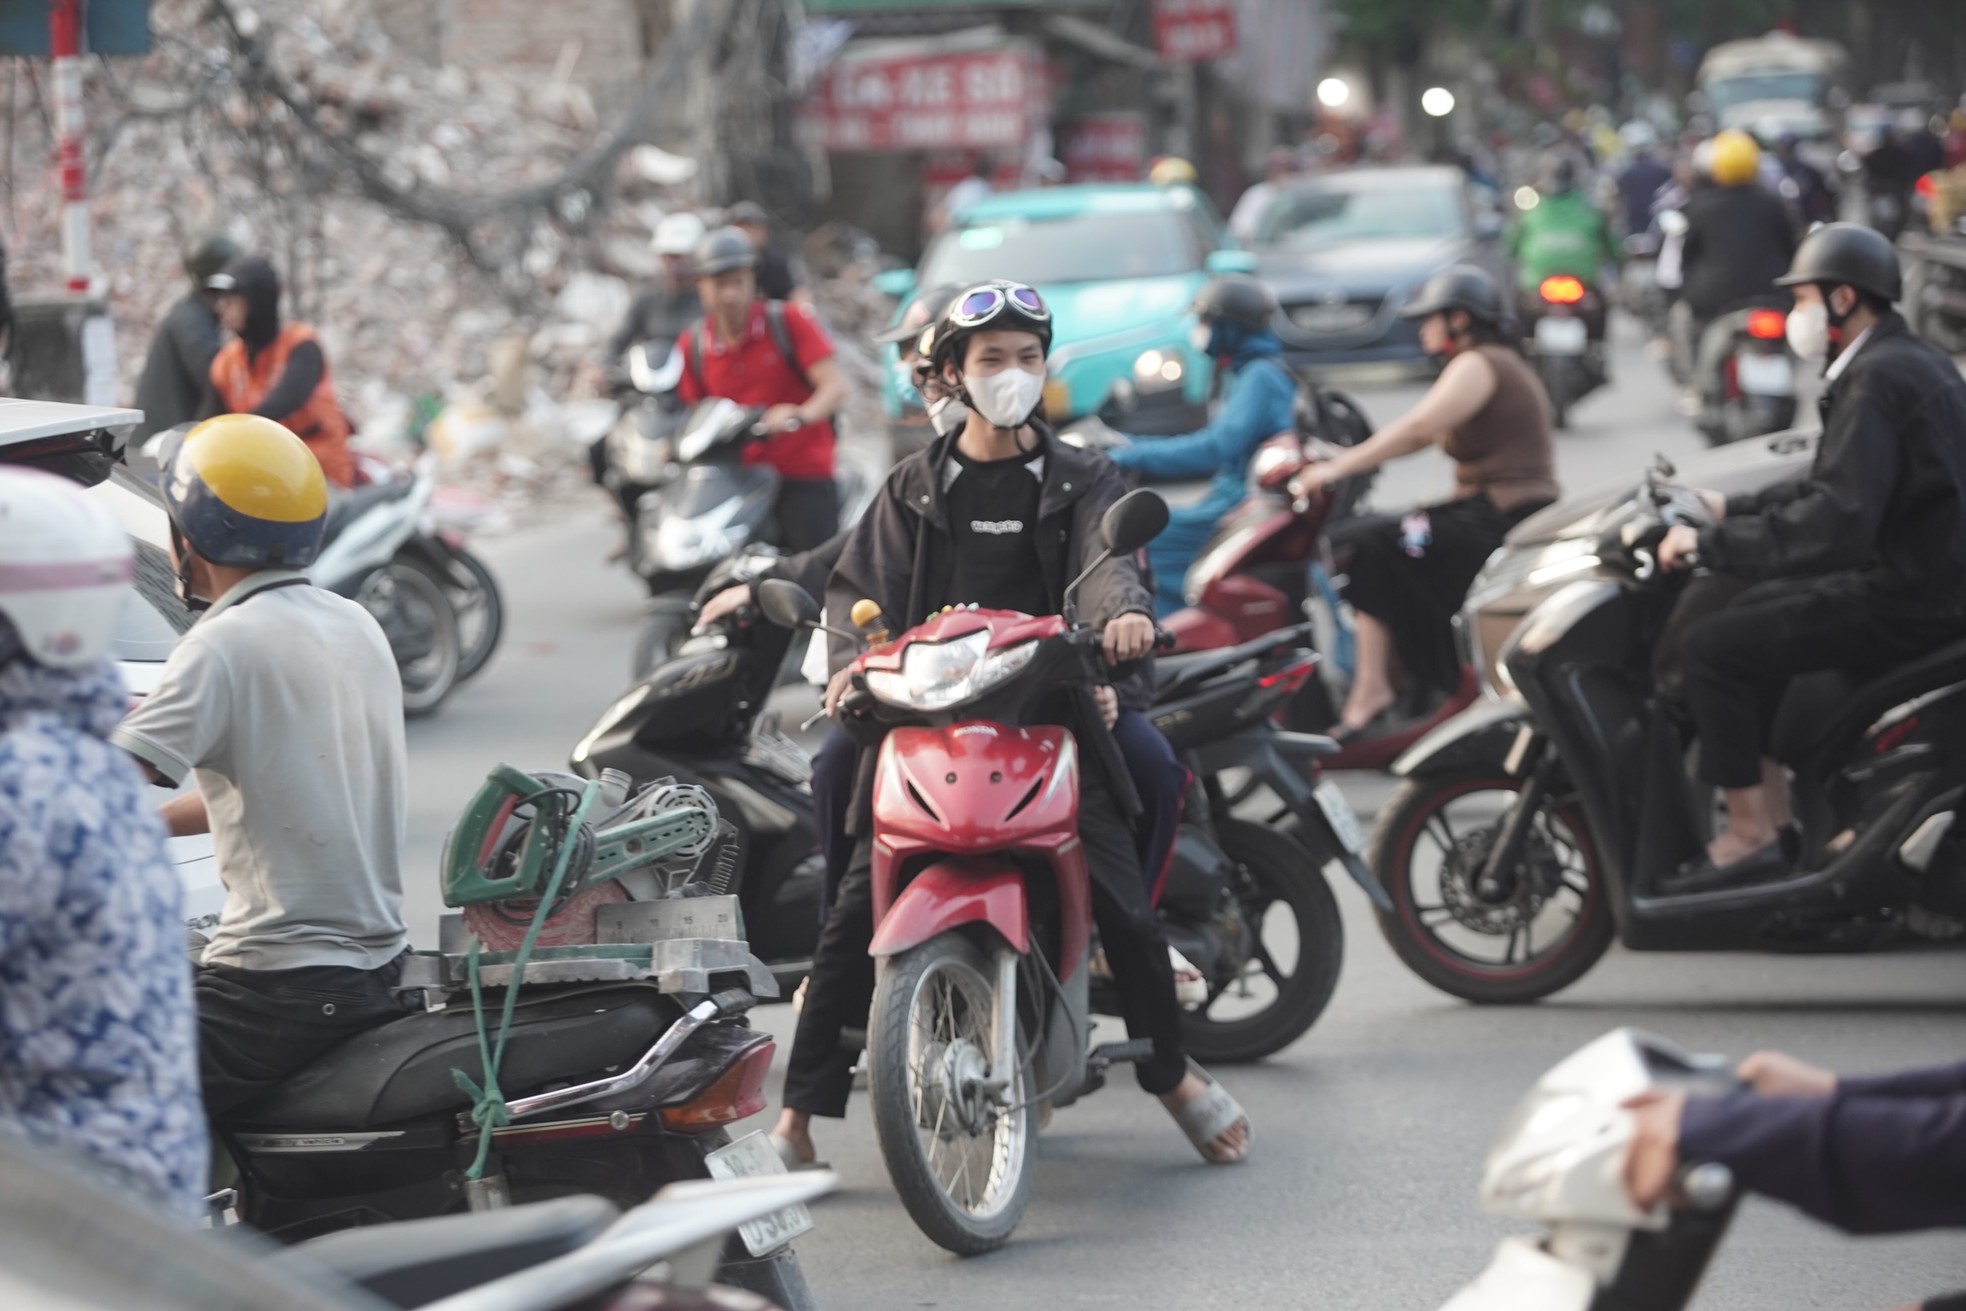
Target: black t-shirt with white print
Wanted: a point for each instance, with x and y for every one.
(993, 510)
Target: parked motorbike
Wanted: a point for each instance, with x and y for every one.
(375, 552)
(982, 902)
(1558, 1164)
(599, 974)
(1560, 346)
(638, 454)
(1757, 384)
(1539, 825)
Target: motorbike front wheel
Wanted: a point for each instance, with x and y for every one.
(1556, 381)
(1540, 932)
(416, 617)
(960, 1156)
(1297, 946)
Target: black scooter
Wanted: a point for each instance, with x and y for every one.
(1534, 829)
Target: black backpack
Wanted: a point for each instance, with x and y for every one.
(781, 337)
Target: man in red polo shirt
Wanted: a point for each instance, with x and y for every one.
(772, 354)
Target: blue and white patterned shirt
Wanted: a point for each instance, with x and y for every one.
(98, 1036)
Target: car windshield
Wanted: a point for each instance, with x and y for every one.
(1090, 247)
(1321, 217)
(1725, 93)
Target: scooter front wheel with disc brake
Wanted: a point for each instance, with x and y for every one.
(959, 1150)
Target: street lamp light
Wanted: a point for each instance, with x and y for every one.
(1438, 101)
(1333, 92)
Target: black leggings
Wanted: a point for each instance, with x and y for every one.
(819, 1074)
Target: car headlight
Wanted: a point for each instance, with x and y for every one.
(937, 675)
(1157, 370)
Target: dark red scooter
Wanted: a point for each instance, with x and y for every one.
(1256, 575)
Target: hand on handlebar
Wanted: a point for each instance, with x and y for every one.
(781, 418)
(1312, 477)
(1679, 548)
(1774, 1074)
(722, 606)
(1653, 1157)
(1128, 637)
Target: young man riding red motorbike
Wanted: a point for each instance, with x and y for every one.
(1002, 515)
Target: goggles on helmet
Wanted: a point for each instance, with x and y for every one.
(980, 306)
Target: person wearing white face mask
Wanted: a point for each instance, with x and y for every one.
(1003, 515)
(1860, 565)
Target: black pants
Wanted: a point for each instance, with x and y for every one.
(1411, 572)
(808, 512)
(256, 1027)
(819, 1074)
(1738, 660)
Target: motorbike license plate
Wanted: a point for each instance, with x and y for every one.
(1337, 810)
(747, 1158)
(1561, 336)
(1765, 375)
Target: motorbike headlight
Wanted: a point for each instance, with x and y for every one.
(937, 675)
(1157, 370)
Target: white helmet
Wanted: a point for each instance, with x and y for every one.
(1703, 158)
(1639, 135)
(678, 234)
(65, 568)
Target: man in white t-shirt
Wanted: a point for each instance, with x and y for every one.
(284, 704)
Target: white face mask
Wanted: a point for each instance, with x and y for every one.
(946, 415)
(1198, 337)
(1807, 331)
(1005, 399)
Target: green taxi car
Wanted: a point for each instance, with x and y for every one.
(1119, 264)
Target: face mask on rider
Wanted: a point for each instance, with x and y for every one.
(1807, 331)
(946, 414)
(1005, 399)
(1201, 335)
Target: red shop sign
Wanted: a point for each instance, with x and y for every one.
(972, 101)
(1106, 147)
(1190, 31)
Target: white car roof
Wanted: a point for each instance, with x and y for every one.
(22, 421)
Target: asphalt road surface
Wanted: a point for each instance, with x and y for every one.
(1370, 1131)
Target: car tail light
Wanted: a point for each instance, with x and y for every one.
(1767, 325)
(1562, 290)
(736, 1093)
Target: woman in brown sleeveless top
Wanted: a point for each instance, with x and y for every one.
(1408, 574)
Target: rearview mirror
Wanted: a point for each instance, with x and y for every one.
(1132, 521)
(787, 604)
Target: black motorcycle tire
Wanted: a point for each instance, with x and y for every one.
(1556, 382)
(1279, 870)
(888, 1026)
(477, 642)
(1399, 825)
(663, 633)
(429, 694)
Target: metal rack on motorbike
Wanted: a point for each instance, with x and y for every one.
(597, 968)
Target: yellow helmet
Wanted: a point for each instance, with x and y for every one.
(246, 493)
(1173, 171)
(1736, 158)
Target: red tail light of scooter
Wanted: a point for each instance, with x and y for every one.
(1562, 290)
(1289, 678)
(736, 1093)
(1767, 325)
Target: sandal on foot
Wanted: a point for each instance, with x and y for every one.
(789, 1156)
(1211, 1115)
(1190, 985)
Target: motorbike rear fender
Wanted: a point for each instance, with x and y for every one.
(951, 893)
(1479, 737)
(1196, 629)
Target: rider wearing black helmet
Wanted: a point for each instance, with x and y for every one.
(1003, 515)
(1859, 565)
(177, 371)
(1408, 575)
(1233, 327)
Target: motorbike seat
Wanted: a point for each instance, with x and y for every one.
(402, 1070)
(1176, 674)
(415, 1262)
(1819, 707)
(345, 507)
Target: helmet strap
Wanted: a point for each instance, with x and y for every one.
(186, 592)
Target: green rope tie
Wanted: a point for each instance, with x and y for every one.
(488, 1111)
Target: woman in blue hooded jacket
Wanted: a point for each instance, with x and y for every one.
(1258, 398)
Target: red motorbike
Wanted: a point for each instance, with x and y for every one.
(1265, 563)
(981, 1016)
